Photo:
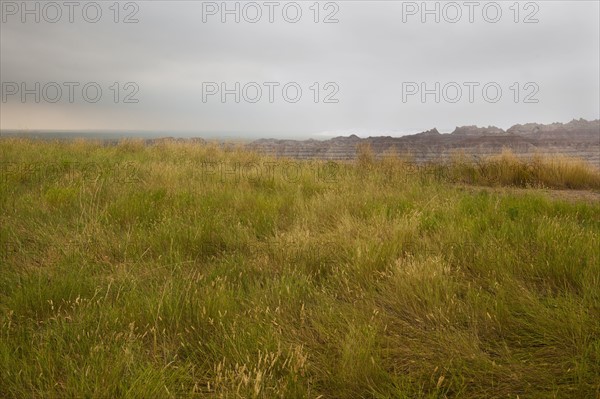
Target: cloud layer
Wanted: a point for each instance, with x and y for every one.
(362, 71)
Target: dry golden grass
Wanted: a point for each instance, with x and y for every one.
(553, 171)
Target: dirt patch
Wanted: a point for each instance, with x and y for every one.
(575, 195)
(588, 196)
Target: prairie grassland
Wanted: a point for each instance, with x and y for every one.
(189, 271)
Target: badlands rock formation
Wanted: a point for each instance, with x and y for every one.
(578, 138)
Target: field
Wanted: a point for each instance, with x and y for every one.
(180, 270)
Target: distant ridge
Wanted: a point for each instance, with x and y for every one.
(578, 138)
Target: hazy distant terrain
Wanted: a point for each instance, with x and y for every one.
(578, 138)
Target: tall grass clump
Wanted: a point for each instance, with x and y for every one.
(365, 156)
(507, 169)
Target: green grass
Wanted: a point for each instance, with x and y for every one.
(163, 271)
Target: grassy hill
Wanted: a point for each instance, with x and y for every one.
(181, 270)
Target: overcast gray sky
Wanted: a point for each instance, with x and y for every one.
(371, 66)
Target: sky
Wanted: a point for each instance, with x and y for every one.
(296, 69)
